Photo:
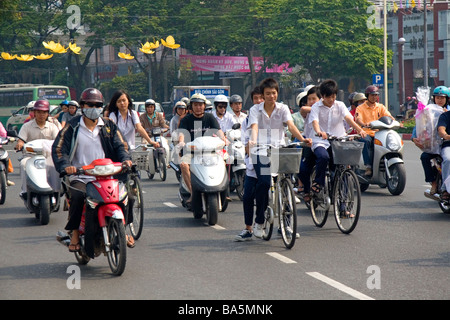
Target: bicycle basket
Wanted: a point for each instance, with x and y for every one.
(285, 160)
(141, 159)
(346, 152)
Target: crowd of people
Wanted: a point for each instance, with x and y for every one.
(82, 135)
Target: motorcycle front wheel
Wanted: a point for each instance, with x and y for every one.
(117, 255)
(2, 187)
(44, 210)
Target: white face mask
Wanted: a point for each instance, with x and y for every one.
(92, 113)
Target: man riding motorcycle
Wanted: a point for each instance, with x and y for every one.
(38, 128)
(85, 138)
(365, 113)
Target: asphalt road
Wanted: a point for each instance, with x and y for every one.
(399, 250)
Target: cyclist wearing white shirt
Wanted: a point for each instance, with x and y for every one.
(266, 121)
(327, 117)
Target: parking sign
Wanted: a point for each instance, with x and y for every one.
(378, 80)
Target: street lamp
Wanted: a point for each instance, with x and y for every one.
(401, 42)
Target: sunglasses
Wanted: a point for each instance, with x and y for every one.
(94, 105)
(221, 106)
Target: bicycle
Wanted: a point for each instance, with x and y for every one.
(341, 186)
(284, 161)
(140, 161)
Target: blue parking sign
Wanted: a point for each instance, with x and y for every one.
(378, 80)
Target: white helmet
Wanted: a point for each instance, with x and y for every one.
(302, 94)
(198, 97)
(220, 98)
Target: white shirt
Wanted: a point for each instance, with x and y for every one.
(331, 121)
(126, 126)
(88, 148)
(226, 122)
(270, 129)
(238, 119)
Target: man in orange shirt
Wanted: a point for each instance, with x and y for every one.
(365, 113)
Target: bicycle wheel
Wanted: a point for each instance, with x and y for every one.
(320, 204)
(347, 201)
(162, 167)
(288, 213)
(138, 208)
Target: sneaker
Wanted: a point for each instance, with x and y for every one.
(10, 183)
(297, 235)
(245, 235)
(368, 171)
(258, 230)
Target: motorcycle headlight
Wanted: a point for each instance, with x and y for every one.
(392, 142)
(106, 170)
(207, 160)
(39, 163)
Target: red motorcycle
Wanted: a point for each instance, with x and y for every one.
(107, 197)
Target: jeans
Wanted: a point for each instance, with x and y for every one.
(367, 152)
(257, 189)
(323, 157)
(306, 168)
(429, 171)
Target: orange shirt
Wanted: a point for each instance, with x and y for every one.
(368, 114)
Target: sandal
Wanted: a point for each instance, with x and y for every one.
(307, 197)
(316, 188)
(74, 247)
(130, 242)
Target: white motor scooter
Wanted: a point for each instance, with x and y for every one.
(235, 162)
(388, 168)
(209, 179)
(42, 181)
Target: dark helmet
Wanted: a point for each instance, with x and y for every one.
(91, 95)
(235, 98)
(371, 90)
(351, 96)
(42, 104)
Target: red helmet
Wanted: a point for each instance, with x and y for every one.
(42, 104)
(371, 90)
(91, 95)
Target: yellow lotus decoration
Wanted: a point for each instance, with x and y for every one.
(43, 56)
(126, 56)
(25, 57)
(74, 48)
(147, 48)
(7, 56)
(54, 47)
(170, 43)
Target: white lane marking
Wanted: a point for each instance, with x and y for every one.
(217, 227)
(280, 257)
(339, 286)
(169, 204)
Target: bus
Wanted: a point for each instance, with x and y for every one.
(15, 97)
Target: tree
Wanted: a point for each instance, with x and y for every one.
(327, 38)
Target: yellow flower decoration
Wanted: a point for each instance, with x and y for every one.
(126, 56)
(43, 56)
(170, 43)
(54, 47)
(74, 48)
(25, 57)
(147, 48)
(7, 56)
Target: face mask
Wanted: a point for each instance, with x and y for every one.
(92, 113)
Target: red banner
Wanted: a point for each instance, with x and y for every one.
(228, 64)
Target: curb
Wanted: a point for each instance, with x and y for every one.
(406, 136)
